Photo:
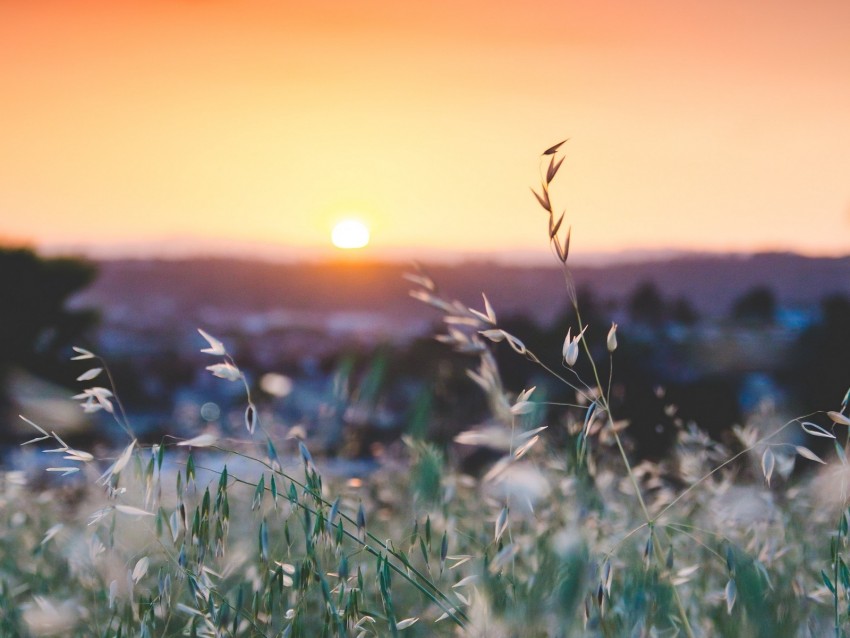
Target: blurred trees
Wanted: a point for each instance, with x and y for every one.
(36, 326)
(648, 308)
(683, 313)
(820, 367)
(665, 374)
(755, 308)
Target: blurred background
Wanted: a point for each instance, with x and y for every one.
(268, 170)
(342, 352)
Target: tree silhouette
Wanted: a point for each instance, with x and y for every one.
(646, 306)
(820, 370)
(683, 312)
(756, 307)
(36, 327)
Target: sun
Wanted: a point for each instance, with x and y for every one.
(350, 233)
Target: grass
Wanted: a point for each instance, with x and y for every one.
(565, 535)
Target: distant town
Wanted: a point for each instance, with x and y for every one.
(347, 342)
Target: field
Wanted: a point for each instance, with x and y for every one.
(567, 532)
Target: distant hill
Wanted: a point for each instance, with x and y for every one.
(151, 291)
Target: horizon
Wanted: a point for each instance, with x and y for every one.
(251, 252)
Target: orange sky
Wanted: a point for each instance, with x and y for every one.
(254, 125)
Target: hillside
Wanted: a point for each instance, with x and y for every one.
(148, 292)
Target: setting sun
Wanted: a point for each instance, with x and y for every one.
(350, 233)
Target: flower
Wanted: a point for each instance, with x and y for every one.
(216, 347)
(225, 371)
(570, 349)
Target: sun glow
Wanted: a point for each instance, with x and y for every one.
(350, 233)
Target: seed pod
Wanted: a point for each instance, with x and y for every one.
(570, 350)
(612, 338)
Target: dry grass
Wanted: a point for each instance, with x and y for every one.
(247, 537)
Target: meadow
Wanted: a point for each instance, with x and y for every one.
(566, 533)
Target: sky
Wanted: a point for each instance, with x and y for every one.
(252, 127)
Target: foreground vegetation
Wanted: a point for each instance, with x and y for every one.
(565, 534)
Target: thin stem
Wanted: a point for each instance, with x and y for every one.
(186, 572)
(683, 614)
(576, 375)
(604, 402)
(124, 422)
(616, 545)
(694, 538)
(436, 590)
(434, 596)
(604, 399)
(704, 478)
(701, 530)
(630, 471)
(561, 404)
(535, 359)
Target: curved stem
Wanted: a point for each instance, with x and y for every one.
(436, 590)
(704, 478)
(535, 359)
(436, 596)
(124, 422)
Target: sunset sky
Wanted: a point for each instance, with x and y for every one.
(252, 127)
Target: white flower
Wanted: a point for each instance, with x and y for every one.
(216, 347)
(612, 338)
(82, 353)
(95, 399)
(88, 375)
(839, 418)
(202, 440)
(522, 407)
(488, 316)
(78, 455)
(225, 371)
(570, 350)
(132, 511)
(141, 569)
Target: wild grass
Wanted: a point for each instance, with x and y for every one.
(567, 534)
